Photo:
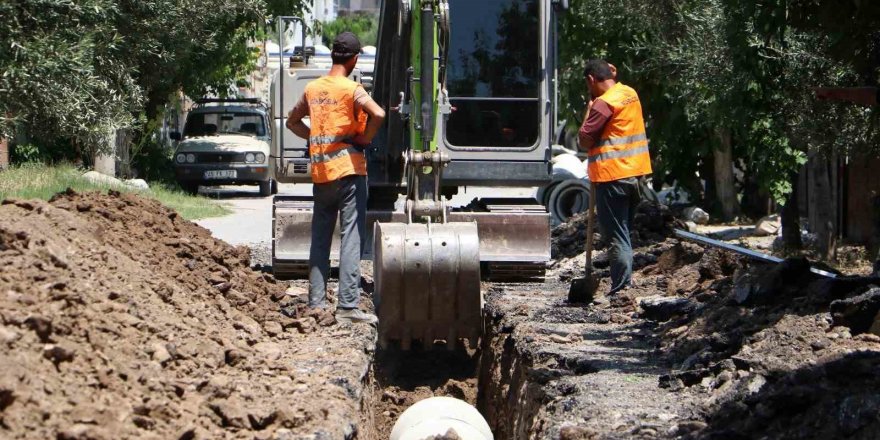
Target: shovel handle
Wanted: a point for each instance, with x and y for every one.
(591, 220)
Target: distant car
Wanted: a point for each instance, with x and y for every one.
(225, 142)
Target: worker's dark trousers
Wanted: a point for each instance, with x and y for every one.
(346, 199)
(616, 204)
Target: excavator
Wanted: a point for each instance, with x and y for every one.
(470, 92)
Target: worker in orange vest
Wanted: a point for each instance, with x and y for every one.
(613, 134)
(339, 132)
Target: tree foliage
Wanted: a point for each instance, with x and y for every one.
(62, 72)
(743, 68)
(79, 69)
(365, 26)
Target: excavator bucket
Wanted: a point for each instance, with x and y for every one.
(427, 282)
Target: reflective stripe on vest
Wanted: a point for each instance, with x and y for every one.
(320, 140)
(326, 157)
(619, 154)
(332, 122)
(623, 140)
(622, 150)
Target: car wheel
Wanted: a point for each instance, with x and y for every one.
(274, 186)
(266, 188)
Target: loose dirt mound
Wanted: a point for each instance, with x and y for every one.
(759, 345)
(122, 320)
(731, 349)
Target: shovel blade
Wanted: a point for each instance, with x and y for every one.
(582, 290)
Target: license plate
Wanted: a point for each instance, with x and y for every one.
(220, 174)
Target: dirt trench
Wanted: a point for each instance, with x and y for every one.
(118, 319)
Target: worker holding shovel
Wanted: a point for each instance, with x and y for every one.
(613, 134)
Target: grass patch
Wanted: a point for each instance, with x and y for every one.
(37, 181)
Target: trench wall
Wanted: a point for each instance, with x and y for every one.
(507, 398)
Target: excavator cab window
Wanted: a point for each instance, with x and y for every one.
(494, 73)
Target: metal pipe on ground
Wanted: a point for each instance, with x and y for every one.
(754, 255)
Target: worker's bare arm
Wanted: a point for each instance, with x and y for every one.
(295, 119)
(377, 115)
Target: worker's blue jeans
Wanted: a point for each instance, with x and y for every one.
(616, 204)
(346, 199)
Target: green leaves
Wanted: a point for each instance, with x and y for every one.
(80, 69)
(745, 66)
(364, 26)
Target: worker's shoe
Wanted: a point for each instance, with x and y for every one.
(355, 316)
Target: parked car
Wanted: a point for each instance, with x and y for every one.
(225, 142)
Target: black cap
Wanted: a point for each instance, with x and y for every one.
(345, 45)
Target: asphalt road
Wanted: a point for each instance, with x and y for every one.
(251, 218)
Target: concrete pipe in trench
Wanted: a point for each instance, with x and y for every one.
(436, 416)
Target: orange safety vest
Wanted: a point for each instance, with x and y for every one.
(332, 121)
(622, 150)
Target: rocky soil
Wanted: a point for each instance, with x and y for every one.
(119, 319)
(705, 345)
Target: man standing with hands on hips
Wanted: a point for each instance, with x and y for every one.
(338, 134)
(613, 134)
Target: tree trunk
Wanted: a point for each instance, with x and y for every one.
(124, 154)
(824, 215)
(791, 219)
(724, 180)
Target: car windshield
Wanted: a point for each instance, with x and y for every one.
(209, 124)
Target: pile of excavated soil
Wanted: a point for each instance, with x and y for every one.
(759, 345)
(705, 345)
(119, 319)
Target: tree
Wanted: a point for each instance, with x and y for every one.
(80, 70)
(722, 82)
(365, 26)
(62, 73)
